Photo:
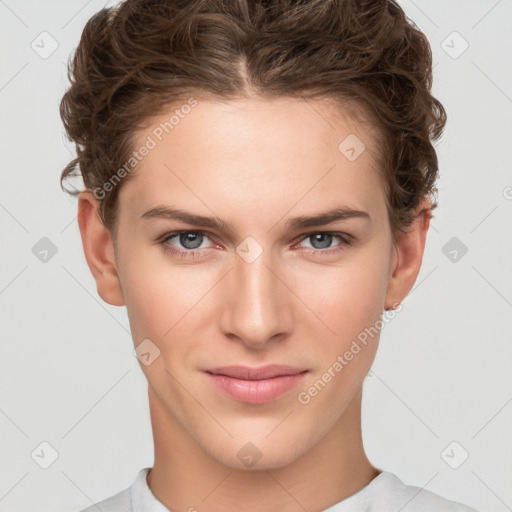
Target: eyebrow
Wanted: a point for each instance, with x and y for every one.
(296, 223)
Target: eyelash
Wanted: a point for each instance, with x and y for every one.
(191, 253)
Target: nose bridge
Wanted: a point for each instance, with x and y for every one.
(258, 306)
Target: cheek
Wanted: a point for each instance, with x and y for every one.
(159, 294)
(173, 307)
(164, 299)
(351, 305)
(150, 305)
(347, 299)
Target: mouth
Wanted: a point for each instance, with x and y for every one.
(255, 385)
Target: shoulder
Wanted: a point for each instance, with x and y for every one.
(388, 492)
(136, 498)
(120, 502)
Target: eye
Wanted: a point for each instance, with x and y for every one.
(188, 239)
(187, 243)
(321, 242)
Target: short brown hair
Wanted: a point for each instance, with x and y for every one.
(136, 58)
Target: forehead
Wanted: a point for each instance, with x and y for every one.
(250, 152)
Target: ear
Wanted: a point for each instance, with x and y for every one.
(406, 262)
(99, 250)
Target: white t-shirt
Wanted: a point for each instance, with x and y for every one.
(385, 493)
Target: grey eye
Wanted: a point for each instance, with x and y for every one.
(191, 240)
(320, 240)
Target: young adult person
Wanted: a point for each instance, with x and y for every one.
(259, 181)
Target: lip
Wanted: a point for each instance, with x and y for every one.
(255, 385)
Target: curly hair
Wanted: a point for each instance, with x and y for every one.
(137, 58)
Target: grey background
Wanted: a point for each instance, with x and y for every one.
(442, 372)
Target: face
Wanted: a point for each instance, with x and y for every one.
(257, 284)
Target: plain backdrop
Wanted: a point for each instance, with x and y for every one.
(437, 405)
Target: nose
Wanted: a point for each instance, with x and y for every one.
(257, 308)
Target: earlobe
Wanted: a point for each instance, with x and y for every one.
(409, 249)
(99, 250)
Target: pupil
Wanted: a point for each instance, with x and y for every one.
(318, 238)
(191, 240)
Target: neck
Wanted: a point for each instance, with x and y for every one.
(184, 477)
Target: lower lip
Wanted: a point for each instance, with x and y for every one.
(255, 391)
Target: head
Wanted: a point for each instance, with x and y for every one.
(257, 115)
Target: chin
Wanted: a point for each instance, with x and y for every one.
(258, 454)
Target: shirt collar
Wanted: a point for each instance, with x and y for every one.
(143, 500)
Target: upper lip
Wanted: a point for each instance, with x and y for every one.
(260, 373)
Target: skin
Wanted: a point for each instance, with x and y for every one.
(254, 163)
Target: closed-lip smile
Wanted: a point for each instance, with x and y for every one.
(255, 385)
